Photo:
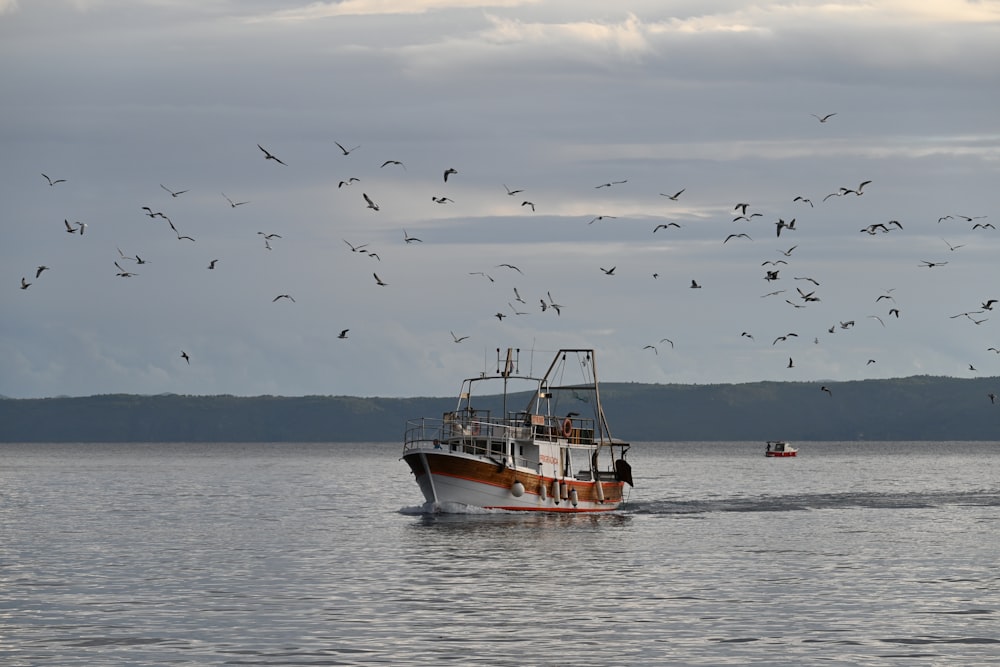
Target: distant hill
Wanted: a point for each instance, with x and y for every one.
(913, 408)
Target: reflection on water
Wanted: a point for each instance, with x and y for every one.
(851, 554)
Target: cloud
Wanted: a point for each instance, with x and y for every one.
(320, 10)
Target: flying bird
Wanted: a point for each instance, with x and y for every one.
(372, 205)
(283, 296)
(804, 200)
(173, 193)
(24, 283)
(737, 236)
(269, 156)
(510, 266)
(791, 364)
(448, 172)
(343, 334)
(395, 162)
(602, 217)
(826, 389)
(211, 265)
(666, 225)
(232, 203)
(528, 203)
(378, 281)
(346, 151)
(457, 339)
(674, 196)
(608, 272)
(511, 192)
(695, 285)
(651, 347)
(411, 239)
(824, 118)
(356, 248)
(349, 181)
(39, 270)
(53, 182)
(185, 357)
(442, 200)
(608, 185)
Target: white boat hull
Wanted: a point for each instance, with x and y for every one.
(447, 480)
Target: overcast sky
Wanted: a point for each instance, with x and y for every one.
(721, 101)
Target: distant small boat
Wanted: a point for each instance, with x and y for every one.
(543, 457)
(781, 448)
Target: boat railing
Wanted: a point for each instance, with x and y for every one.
(476, 431)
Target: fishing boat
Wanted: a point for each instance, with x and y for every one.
(779, 448)
(521, 443)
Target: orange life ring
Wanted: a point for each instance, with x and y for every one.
(567, 428)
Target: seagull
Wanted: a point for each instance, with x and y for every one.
(53, 182)
(983, 225)
(602, 217)
(517, 296)
(665, 226)
(803, 199)
(651, 347)
(69, 227)
(511, 192)
(741, 207)
(790, 363)
(211, 265)
(516, 311)
(283, 296)
(952, 247)
(24, 283)
(869, 362)
(667, 340)
(674, 196)
(528, 203)
(781, 224)
(346, 151)
(185, 357)
(39, 270)
(395, 162)
(788, 253)
(122, 273)
(608, 272)
(608, 185)
(826, 389)
(356, 248)
(442, 200)
(825, 118)
(784, 338)
(747, 334)
(82, 227)
(986, 305)
(269, 156)
(737, 236)
(695, 285)
(372, 205)
(411, 239)
(378, 281)
(457, 339)
(232, 203)
(510, 266)
(448, 172)
(172, 193)
(930, 265)
(343, 334)
(500, 316)
(484, 275)
(349, 181)
(878, 318)
(269, 236)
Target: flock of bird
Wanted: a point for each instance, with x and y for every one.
(742, 213)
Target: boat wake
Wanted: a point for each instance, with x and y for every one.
(819, 501)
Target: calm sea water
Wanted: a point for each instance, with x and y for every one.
(303, 554)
